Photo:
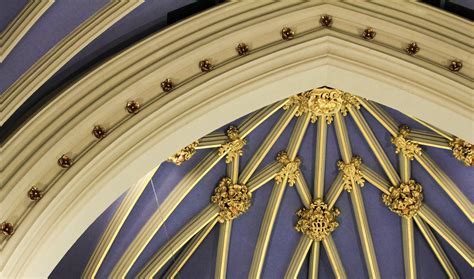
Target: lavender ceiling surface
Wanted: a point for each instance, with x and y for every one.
(385, 226)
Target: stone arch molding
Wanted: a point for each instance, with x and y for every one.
(420, 85)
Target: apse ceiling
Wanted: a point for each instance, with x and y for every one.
(323, 183)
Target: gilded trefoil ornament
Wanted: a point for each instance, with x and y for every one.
(318, 221)
(234, 146)
(290, 168)
(463, 151)
(184, 154)
(404, 145)
(322, 102)
(232, 199)
(404, 199)
(352, 175)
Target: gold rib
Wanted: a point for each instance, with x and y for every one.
(335, 190)
(163, 212)
(297, 135)
(303, 190)
(383, 117)
(405, 167)
(408, 248)
(298, 257)
(436, 248)
(266, 229)
(375, 145)
(440, 132)
(364, 232)
(447, 184)
(429, 138)
(267, 144)
(256, 118)
(223, 249)
(445, 232)
(314, 260)
(233, 169)
(334, 258)
(375, 179)
(262, 177)
(189, 250)
(212, 140)
(342, 138)
(161, 257)
(115, 224)
(320, 164)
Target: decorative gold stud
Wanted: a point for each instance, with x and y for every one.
(99, 132)
(455, 66)
(205, 65)
(287, 33)
(326, 20)
(369, 34)
(290, 168)
(322, 102)
(318, 221)
(7, 228)
(184, 154)
(242, 49)
(233, 199)
(351, 173)
(35, 194)
(463, 151)
(412, 48)
(132, 106)
(404, 199)
(234, 145)
(65, 161)
(407, 147)
(167, 85)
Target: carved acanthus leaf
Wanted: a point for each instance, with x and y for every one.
(407, 147)
(404, 199)
(184, 154)
(234, 146)
(463, 151)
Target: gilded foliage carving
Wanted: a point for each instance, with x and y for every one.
(290, 168)
(404, 199)
(184, 154)
(404, 145)
(234, 146)
(318, 221)
(232, 199)
(322, 102)
(463, 151)
(352, 174)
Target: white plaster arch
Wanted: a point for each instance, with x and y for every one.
(205, 102)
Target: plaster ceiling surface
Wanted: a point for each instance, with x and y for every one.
(385, 225)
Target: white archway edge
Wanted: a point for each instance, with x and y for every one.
(198, 107)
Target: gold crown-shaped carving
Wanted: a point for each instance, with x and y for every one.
(322, 102)
(290, 168)
(404, 199)
(404, 145)
(318, 221)
(184, 154)
(463, 151)
(352, 174)
(234, 146)
(232, 199)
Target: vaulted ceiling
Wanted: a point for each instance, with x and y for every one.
(143, 233)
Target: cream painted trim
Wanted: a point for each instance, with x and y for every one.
(18, 28)
(201, 103)
(60, 54)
